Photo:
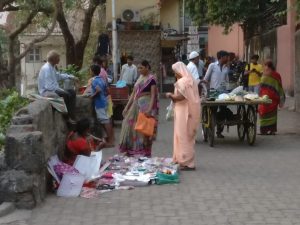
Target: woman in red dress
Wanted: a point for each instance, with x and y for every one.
(79, 142)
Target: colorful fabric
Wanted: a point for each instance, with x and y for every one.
(103, 74)
(271, 85)
(56, 103)
(254, 79)
(131, 142)
(186, 117)
(77, 145)
(62, 168)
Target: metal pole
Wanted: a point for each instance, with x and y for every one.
(183, 15)
(114, 41)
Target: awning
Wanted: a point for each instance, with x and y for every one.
(172, 41)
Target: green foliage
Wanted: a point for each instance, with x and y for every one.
(10, 102)
(249, 13)
(82, 74)
(297, 6)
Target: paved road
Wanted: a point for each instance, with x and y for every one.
(234, 184)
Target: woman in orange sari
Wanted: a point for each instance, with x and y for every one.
(186, 116)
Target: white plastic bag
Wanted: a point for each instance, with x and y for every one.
(88, 166)
(71, 185)
(170, 112)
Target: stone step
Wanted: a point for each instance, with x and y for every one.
(20, 128)
(6, 208)
(22, 120)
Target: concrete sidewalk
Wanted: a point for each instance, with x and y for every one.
(234, 184)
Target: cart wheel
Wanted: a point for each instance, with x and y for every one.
(251, 125)
(241, 127)
(211, 129)
(204, 122)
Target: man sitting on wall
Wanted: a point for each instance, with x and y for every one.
(48, 83)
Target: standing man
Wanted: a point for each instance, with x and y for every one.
(193, 65)
(129, 73)
(217, 77)
(217, 72)
(254, 70)
(48, 84)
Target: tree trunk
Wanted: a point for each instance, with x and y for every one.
(75, 51)
(11, 63)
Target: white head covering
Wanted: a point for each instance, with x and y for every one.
(193, 55)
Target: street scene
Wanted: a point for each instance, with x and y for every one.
(149, 112)
(233, 184)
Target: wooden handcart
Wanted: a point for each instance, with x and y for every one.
(245, 119)
(120, 97)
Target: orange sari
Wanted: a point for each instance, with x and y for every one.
(186, 117)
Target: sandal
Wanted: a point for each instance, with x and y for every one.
(186, 168)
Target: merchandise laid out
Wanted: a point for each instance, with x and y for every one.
(236, 95)
(88, 177)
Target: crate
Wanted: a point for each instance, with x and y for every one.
(118, 93)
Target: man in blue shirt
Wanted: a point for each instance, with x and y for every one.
(99, 95)
(217, 77)
(48, 83)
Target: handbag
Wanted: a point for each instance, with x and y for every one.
(170, 112)
(145, 125)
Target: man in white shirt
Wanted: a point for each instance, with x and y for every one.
(193, 65)
(129, 73)
(217, 77)
(48, 83)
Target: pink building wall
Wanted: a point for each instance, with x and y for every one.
(232, 42)
(286, 51)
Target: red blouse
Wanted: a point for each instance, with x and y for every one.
(78, 146)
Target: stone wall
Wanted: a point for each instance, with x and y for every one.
(36, 133)
(142, 44)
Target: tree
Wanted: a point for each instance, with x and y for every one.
(37, 12)
(75, 49)
(28, 12)
(250, 14)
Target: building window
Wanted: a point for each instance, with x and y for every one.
(34, 55)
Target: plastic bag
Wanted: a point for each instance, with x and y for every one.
(162, 178)
(170, 112)
(121, 84)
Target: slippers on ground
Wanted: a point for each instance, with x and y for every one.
(186, 168)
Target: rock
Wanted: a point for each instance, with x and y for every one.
(37, 132)
(6, 208)
(26, 190)
(24, 151)
(21, 128)
(84, 108)
(25, 201)
(21, 120)
(15, 181)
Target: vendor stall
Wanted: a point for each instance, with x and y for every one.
(245, 119)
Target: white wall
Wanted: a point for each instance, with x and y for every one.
(30, 71)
